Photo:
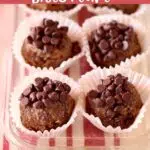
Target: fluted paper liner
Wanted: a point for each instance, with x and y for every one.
(140, 29)
(68, 13)
(106, 10)
(75, 33)
(90, 81)
(15, 103)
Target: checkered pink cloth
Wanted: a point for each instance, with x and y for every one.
(82, 133)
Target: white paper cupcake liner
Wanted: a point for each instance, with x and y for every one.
(90, 80)
(93, 23)
(68, 13)
(106, 10)
(14, 104)
(75, 33)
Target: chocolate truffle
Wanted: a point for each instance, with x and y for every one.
(112, 43)
(115, 101)
(49, 45)
(46, 104)
(52, 7)
(126, 8)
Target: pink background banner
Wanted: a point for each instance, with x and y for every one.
(75, 1)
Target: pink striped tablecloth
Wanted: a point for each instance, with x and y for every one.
(82, 134)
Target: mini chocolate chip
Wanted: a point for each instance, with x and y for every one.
(46, 39)
(119, 89)
(110, 56)
(45, 79)
(113, 33)
(107, 93)
(63, 96)
(63, 29)
(101, 102)
(92, 94)
(56, 34)
(114, 22)
(55, 41)
(126, 96)
(110, 113)
(118, 45)
(47, 88)
(38, 44)
(27, 91)
(24, 101)
(110, 101)
(33, 96)
(46, 102)
(111, 87)
(30, 39)
(106, 27)
(103, 44)
(95, 102)
(48, 48)
(39, 95)
(66, 87)
(47, 22)
(118, 99)
(39, 30)
(37, 37)
(38, 105)
(122, 26)
(53, 96)
(120, 37)
(48, 31)
(106, 82)
(101, 88)
(100, 32)
(60, 88)
(118, 109)
(119, 80)
(38, 81)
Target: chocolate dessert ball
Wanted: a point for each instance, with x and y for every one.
(52, 7)
(126, 8)
(46, 105)
(112, 43)
(115, 101)
(48, 45)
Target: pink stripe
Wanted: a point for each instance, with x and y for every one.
(69, 136)
(51, 142)
(5, 144)
(93, 136)
(116, 140)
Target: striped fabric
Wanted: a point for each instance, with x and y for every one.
(82, 134)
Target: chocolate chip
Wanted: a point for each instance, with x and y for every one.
(63, 96)
(76, 48)
(27, 91)
(111, 87)
(30, 39)
(46, 79)
(46, 39)
(39, 95)
(103, 45)
(113, 33)
(55, 41)
(107, 93)
(95, 102)
(53, 96)
(110, 56)
(118, 99)
(110, 101)
(106, 82)
(118, 109)
(66, 87)
(63, 29)
(126, 96)
(119, 89)
(48, 48)
(97, 58)
(24, 101)
(106, 27)
(60, 88)
(101, 88)
(56, 34)
(38, 44)
(48, 31)
(100, 32)
(46, 102)
(39, 30)
(93, 94)
(48, 88)
(38, 105)
(122, 26)
(38, 81)
(118, 45)
(120, 37)
(119, 80)
(33, 96)
(110, 113)
(47, 22)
